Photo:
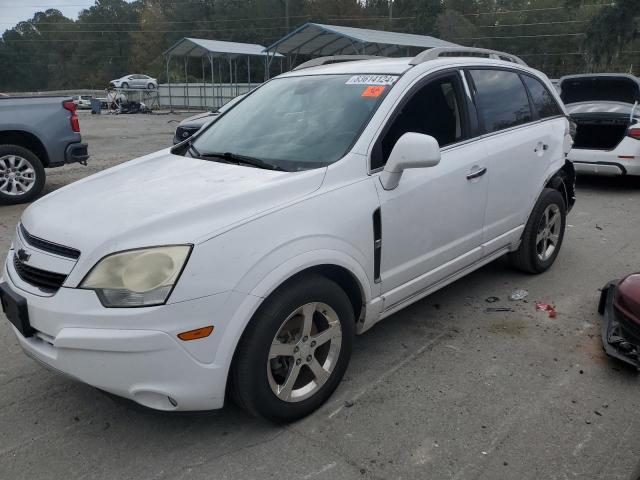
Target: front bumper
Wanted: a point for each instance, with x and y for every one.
(145, 366)
(620, 335)
(130, 352)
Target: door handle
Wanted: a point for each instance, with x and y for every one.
(541, 147)
(477, 173)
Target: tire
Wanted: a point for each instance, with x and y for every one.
(532, 256)
(124, 85)
(22, 175)
(254, 386)
(151, 86)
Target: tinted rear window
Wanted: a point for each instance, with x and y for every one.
(543, 102)
(606, 89)
(501, 99)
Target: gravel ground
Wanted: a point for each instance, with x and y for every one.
(441, 390)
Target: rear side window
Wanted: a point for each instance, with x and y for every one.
(545, 105)
(501, 99)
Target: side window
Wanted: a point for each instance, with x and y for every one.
(543, 101)
(501, 99)
(434, 109)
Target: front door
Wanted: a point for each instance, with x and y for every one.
(432, 223)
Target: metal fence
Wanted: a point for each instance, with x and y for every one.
(200, 96)
(196, 96)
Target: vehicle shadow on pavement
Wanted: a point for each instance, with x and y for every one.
(606, 184)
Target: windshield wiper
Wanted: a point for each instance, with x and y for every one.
(240, 159)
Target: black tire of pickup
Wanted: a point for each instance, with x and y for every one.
(40, 176)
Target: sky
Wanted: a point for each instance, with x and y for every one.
(14, 11)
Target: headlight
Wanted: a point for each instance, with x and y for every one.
(137, 278)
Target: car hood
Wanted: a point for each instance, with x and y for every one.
(162, 199)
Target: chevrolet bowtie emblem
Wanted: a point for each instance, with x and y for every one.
(23, 256)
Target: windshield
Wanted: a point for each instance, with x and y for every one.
(298, 123)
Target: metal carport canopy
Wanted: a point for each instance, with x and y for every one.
(321, 40)
(199, 47)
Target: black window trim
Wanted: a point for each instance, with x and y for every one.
(534, 118)
(533, 107)
(465, 104)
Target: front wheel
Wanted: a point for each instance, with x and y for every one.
(22, 175)
(543, 234)
(151, 86)
(295, 350)
(125, 85)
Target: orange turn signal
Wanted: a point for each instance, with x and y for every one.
(196, 334)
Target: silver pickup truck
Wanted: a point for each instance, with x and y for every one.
(35, 133)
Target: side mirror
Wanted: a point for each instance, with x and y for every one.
(412, 150)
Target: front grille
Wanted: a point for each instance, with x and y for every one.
(47, 246)
(37, 277)
(182, 133)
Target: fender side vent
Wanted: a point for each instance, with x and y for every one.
(377, 244)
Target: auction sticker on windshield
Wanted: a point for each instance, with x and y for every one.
(372, 80)
(373, 91)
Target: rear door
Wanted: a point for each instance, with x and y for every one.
(520, 140)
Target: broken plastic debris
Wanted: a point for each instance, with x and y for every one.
(545, 307)
(518, 295)
(492, 299)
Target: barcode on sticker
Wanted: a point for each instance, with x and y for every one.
(372, 80)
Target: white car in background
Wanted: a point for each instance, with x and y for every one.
(329, 198)
(82, 101)
(135, 81)
(606, 111)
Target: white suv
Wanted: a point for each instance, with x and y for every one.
(250, 255)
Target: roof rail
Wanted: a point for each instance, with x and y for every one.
(434, 53)
(315, 62)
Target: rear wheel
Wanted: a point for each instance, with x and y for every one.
(151, 86)
(295, 350)
(543, 234)
(22, 175)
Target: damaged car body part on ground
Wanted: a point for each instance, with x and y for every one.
(326, 200)
(606, 111)
(620, 305)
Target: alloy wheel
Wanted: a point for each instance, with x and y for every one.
(549, 230)
(304, 352)
(17, 175)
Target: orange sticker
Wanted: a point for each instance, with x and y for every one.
(373, 91)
